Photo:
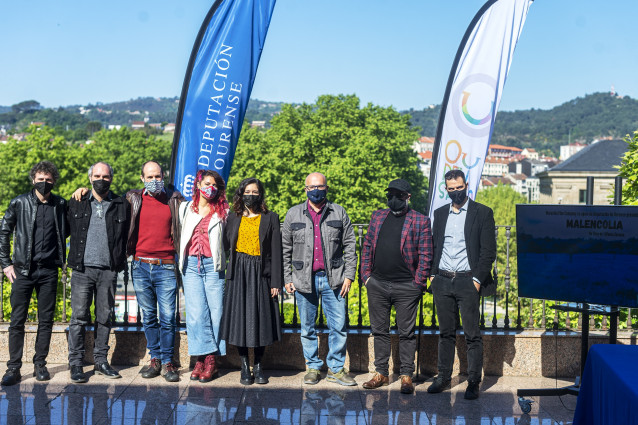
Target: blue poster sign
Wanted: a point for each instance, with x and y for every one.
(578, 253)
(217, 87)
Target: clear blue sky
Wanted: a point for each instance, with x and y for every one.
(395, 53)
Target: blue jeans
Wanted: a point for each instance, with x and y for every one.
(334, 307)
(156, 286)
(204, 297)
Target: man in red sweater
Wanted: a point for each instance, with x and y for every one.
(153, 241)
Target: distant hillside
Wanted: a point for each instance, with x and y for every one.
(427, 119)
(161, 110)
(157, 110)
(583, 119)
(65, 119)
(258, 110)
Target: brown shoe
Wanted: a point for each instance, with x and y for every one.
(407, 387)
(377, 381)
(210, 369)
(198, 369)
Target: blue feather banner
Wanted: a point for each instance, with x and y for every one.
(219, 78)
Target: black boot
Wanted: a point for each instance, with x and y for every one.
(259, 373)
(246, 376)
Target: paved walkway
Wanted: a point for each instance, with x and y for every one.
(285, 400)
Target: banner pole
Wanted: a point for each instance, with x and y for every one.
(446, 97)
(187, 78)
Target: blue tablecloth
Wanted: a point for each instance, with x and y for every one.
(609, 388)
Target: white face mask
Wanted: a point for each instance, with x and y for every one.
(154, 186)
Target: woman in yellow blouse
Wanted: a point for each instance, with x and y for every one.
(254, 278)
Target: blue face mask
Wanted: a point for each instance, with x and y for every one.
(317, 196)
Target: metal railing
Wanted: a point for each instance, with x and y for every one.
(504, 311)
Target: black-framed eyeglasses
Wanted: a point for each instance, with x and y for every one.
(314, 187)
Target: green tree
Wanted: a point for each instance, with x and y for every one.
(26, 106)
(93, 126)
(125, 150)
(503, 199)
(79, 135)
(629, 170)
(17, 158)
(359, 149)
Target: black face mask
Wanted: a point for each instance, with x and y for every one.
(458, 196)
(251, 201)
(101, 186)
(44, 188)
(397, 205)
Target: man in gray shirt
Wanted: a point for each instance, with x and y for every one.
(320, 263)
(99, 224)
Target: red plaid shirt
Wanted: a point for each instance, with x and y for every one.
(416, 245)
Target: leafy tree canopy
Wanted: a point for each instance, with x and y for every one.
(629, 171)
(583, 119)
(502, 199)
(124, 149)
(359, 149)
(26, 106)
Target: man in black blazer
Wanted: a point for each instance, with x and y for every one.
(464, 249)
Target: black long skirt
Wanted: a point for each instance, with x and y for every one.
(251, 315)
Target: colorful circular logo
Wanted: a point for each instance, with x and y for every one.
(472, 104)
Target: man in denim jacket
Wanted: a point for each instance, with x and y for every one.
(320, 261)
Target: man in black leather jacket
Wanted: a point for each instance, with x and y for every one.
(37, 220)
(99, 225)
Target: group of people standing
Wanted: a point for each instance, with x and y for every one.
(234, 300)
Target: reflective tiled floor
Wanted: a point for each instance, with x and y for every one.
(285, 400)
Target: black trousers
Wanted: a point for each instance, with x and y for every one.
(448, 293)
(405, 298)
(257, 351)
(45, 282)
(85, 285)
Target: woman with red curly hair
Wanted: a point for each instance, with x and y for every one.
(203, 263)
